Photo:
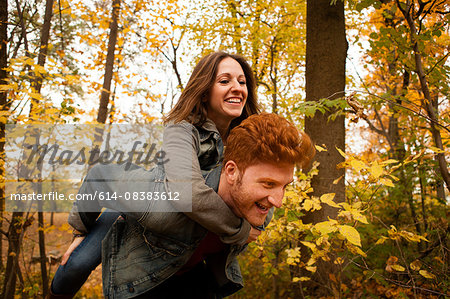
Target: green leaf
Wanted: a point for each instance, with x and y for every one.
(373, 35)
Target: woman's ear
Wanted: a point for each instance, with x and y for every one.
(231, 172)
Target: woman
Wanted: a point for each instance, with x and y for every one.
(219, 95)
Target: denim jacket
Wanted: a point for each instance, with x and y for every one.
(138, 255)
(148, 247)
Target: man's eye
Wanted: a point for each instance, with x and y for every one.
(268, 185)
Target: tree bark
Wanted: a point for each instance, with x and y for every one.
(326, 52)
(42, 254)
(106, 90)
(3, 107)
(15, 235)
(42, 56)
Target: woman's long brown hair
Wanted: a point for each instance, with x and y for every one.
(192, 103)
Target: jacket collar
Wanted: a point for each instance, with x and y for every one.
(209, 125)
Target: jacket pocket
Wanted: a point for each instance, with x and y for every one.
(158, 242)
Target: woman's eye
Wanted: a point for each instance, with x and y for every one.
(242, 82)
(224, 81)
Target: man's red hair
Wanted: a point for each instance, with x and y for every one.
(268, 138)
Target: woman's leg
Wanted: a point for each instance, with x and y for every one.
(84, 259)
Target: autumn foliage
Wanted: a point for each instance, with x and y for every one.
(391, 234)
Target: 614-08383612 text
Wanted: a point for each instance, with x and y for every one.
(54, 195)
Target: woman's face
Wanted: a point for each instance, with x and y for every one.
(228, 93)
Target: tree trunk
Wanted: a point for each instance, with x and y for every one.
(43, 255)
(15, 234)
(42, 56)
(326, 52)
(3, 107)
(37, 85)
(106, 90)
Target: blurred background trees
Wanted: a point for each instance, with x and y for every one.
(388, 234)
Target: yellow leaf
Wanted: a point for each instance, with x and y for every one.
(358, 216)
(415, 265)
(390, 161)
(376, 170)
(293, 252)
(351, 234)
(328, 199)
(311, 269)
(337, 180)
(307, 204)
(291, 261)
(312, 246)
(297, 279)
(426, 274)
(357, 165)
(342, 153)
(381, 240)
(320, 149)
(436, 150)
(394, 177)
(311, 204)
(339, 261)
(5, 87)
(398, 268)
(356, 250)
(437, 258)
(386, 182)
(39, 69)
(325, 227)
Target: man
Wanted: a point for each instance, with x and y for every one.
(168, 255)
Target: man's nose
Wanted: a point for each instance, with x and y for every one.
(276, 198)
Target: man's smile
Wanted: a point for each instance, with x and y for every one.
(262, 208)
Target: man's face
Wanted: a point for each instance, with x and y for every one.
(260, 188)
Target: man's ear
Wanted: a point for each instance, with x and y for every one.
(231, 172)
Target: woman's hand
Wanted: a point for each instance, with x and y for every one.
(254, 234)
(71, 248)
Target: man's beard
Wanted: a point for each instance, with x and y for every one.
(244, 202)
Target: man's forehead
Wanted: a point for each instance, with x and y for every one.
(271, 171)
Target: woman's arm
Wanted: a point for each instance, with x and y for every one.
(180, 145)
(182, 168)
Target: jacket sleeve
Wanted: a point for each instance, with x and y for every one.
(76, 219)
(103, 181)
(183, 174)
